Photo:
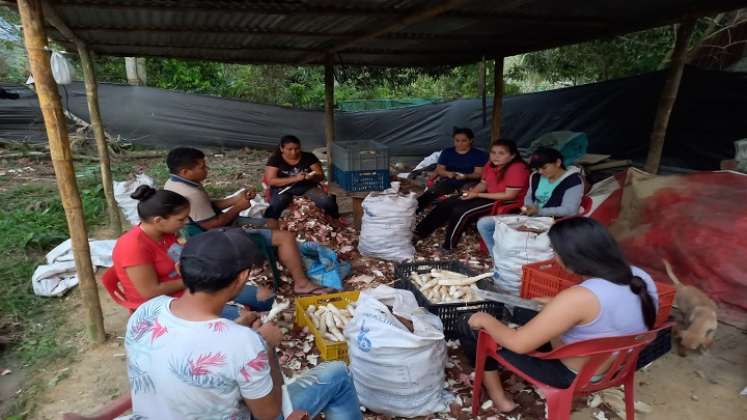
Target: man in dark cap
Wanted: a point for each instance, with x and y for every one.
(185, 362)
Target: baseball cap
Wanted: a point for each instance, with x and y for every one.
(224, 251)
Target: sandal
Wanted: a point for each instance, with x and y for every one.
(319, 290)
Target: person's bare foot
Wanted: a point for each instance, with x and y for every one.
(310, 288)
(505, 406)
(503, 403)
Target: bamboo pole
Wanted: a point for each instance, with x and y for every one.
(668, 96)
(35, 40)
(482, 91)
(329, 110)
(92, 96)
(495, 127)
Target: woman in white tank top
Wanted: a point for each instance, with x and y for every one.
(594, 309)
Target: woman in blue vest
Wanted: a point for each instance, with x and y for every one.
(554, 191)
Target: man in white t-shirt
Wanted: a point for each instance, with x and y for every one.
(185, 362)
(188, 170)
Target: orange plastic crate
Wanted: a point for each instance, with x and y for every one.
(328, 350)
(547, 278)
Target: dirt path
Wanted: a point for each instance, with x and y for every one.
(97, 374)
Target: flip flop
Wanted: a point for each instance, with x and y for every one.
(319, 290)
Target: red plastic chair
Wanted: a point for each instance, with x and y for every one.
(114, 288)
(586, 204)
(123, 404)
(623, 351)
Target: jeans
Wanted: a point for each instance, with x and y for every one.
(247, 297)
(486, 227)
(328, 389)
(280, 202)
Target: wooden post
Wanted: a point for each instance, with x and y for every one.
(495, 128)
(92, 95)
(668, 96)
(35, 40)
(329, 109)
(482, 91)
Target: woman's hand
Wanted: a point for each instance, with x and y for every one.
(529, 210)
(469, 195)
(480, 320)
(460, 176)
(300, 177)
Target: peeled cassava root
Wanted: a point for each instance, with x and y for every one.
(444, 286)
(330, 320)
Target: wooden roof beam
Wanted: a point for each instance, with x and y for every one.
(401, 23)
(133, 49)
(300, 9)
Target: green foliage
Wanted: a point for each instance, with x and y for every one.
(12, 54)
(34, 222)
(602, 59)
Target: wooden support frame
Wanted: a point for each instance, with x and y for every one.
(35, 40)
(329, 110)
(393, 27)
(668, 96)
(97, 125)
(495, 122)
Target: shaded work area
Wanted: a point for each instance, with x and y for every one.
(616, 115)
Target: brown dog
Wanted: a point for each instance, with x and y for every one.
(699, 321)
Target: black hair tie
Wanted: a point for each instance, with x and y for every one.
(637, 285)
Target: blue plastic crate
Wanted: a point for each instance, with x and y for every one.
(355, 181)
(363, 155)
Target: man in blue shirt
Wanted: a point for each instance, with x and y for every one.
(457, 166)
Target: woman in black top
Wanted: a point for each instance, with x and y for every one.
(291, 172)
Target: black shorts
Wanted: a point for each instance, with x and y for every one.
(551, 372)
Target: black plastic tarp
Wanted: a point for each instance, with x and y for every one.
(617, 115)
(20, 119)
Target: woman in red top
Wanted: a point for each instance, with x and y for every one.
(504, 178)
(145, 257)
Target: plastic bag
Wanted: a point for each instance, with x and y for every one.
(397, 372)
(122, 191)
(386, 229)
(59, 274)
(519, 240)
(322, 265)
(60, 69)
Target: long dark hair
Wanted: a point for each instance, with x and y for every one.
(588, 249)
(153, 202)
(513, 149)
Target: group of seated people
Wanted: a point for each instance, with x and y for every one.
(194, 349)
(193, 353)
(503, 178)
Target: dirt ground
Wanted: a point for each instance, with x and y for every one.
(693, 388)
(696, 387)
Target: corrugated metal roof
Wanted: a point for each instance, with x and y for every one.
(303, 31)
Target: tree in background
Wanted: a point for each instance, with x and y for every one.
(604, 59)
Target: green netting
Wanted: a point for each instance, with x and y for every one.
(374, 104)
